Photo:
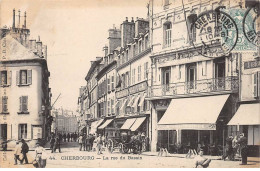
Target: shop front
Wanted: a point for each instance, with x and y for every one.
(247, 121)
(189, 123)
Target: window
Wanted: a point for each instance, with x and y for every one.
(22, 131)
(145, 70)
(146, 42)
(126, 79)
(140, 46)
(112, 82)
(192, 30)
(134, 50)
(126, 55)
(108, 84)
(112, 106)
(256, 84)
(108, 107)
(133, 76)
(24, 77)
(5, 78)
(139, 73)
(4, 108)
(168, 34)
(23, 104)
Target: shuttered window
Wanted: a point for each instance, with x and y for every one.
(24, 77)
(4, 104)
(24, 104)
(256, 84)
(5, 78)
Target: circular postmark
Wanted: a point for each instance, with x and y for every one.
(217, 33)
(251, 25)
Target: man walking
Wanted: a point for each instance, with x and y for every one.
(25, 150)
(229, 149)
(17, 152)
(56, 144)
(99, 144)
(68, 137)
(80, 142)
(243, 147)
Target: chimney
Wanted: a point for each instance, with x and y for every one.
(13, 18)
(39, 47)
(24, 19)
(44, 51)
(32, 45)
(19, 17)
(105, 49)
(132, 20)
(126, 19)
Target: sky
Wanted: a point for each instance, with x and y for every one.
(75, 32)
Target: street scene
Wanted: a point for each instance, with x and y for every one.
(140, 84)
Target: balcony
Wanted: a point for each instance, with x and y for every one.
(214, 85)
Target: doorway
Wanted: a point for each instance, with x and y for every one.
(191, 76)
(220, 74)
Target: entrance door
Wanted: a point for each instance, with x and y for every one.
(3, 131)
(220, 75)
(191, 77)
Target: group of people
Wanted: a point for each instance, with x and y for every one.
(86, 142)
(70, 137)
(236, 145)
(55, 142)
(21, 150)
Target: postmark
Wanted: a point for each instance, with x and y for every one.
(217, 34)
(251, 25)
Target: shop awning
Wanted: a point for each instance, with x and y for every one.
(142, 100)
(247, 114)
(137, 123)
(128, 123)
(105, 124)
(196, 113)
(131, 101)
(136, 101)
(94, 126)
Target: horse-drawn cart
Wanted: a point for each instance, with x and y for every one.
(124, 144)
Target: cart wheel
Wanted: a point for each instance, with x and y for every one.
(125, 148)
(120, 148)
(110, 146)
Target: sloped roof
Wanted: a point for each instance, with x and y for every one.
(15, 50)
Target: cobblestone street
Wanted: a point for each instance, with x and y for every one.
(71, 157)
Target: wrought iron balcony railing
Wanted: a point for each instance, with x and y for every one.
(195, 87)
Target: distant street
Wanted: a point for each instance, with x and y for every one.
(71, 157)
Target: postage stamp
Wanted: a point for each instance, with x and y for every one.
(243, 44)
(218, 33)
(251, 25)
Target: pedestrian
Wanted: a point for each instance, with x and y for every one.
(84, 142)
(235, 147)
(99, 144)
(201, 161)
(64, 137)
(243, 148)
(17, 152)
(56, 144)
(80, 142)
(92, 139)
(52, 141)
(40, 156)
(75, 137)
(68, 137)
(87, 143)
(25, 150)
(229, 149)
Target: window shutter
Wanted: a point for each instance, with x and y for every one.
(258, 83)
(0, 77)
(9, 78)
(29, 76)
(17, 77)
(4, 103)
(204, 67)
(254, 81)
(21, 102)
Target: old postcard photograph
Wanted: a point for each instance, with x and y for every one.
(129, 83)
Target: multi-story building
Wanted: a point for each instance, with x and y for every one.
(65, 121)
(25, 92)
(247, 117)
(193, 94)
